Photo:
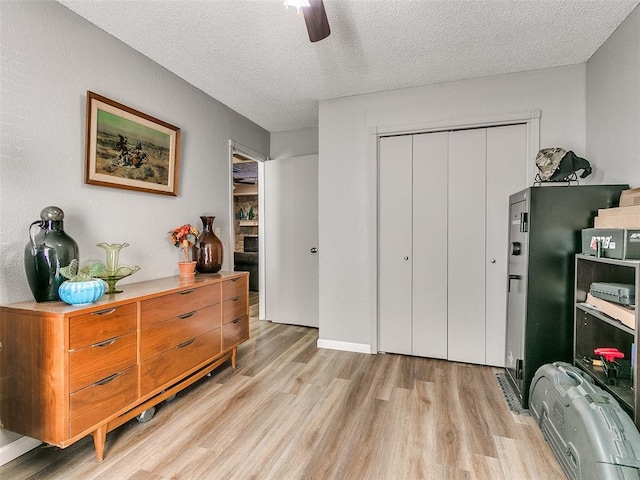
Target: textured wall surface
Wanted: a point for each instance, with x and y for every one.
(50, 58)
(347, 171)
(613, 105)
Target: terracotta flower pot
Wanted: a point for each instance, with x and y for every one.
(187, 269)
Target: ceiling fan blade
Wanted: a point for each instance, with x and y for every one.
(315, 16)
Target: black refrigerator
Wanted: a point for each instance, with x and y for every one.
(545, 224)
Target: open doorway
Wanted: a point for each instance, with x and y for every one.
(246, 219)
(247, 235)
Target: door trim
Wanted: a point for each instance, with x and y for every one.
(530, 118)
(260, 158)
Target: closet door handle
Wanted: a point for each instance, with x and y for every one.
(406, 258)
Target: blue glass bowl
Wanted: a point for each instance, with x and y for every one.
(81, 293)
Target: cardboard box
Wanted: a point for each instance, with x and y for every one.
(623, 314)
(615, 242)
(630, 197)
(629, 221)
(606, 212)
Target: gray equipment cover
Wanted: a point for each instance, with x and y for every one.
(622, 293)
(589, 433)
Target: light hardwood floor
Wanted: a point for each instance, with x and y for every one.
(292, 411)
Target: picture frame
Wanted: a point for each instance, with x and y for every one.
(126, 148)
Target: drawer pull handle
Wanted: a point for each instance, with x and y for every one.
(235, 299)
(186, 315)
(187, 343)
(104, 381)
(236, 320)
(184, 292)
(105, 342)
(107, 311)
(235, 279)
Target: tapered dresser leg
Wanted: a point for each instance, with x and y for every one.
(234, 354)
(99, 440)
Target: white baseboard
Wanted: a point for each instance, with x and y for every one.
(16, 448)
(344, 346)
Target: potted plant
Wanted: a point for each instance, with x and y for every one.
(185, 237)
(81, 288)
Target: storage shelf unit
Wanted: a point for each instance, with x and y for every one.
(593, 329)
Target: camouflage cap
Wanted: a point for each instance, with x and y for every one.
(548, 160)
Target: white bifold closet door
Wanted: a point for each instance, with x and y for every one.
(467, 244)
(442, 240)
(430, 245)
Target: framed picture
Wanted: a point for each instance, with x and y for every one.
(130, 149)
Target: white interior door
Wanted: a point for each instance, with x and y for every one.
(442, 240)
(430, 153)
(291, 240)
(467, 249)
(394, 244)
(506, 174)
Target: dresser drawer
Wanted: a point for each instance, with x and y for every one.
(236, 287)
(93, 363)
(96, 402)
(157, 309)
(92, 328)
(235, 332)
(171, 364)
(233, 309)
(162, 336)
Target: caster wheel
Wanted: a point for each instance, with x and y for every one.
(171, 398)
(147, 415)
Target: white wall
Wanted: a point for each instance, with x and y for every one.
(294, 143)
(613, 105)
(347, 169)
(50, 58)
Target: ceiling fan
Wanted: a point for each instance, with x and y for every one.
(315, 16)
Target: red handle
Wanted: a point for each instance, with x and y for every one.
(610, 354)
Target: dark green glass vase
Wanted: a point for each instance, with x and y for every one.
(48, 250)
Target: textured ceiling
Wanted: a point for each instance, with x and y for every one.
(255, 55)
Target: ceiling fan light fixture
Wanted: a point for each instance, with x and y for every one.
(298, 4)
(315, 17)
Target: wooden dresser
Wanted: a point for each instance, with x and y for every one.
(70, 371)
